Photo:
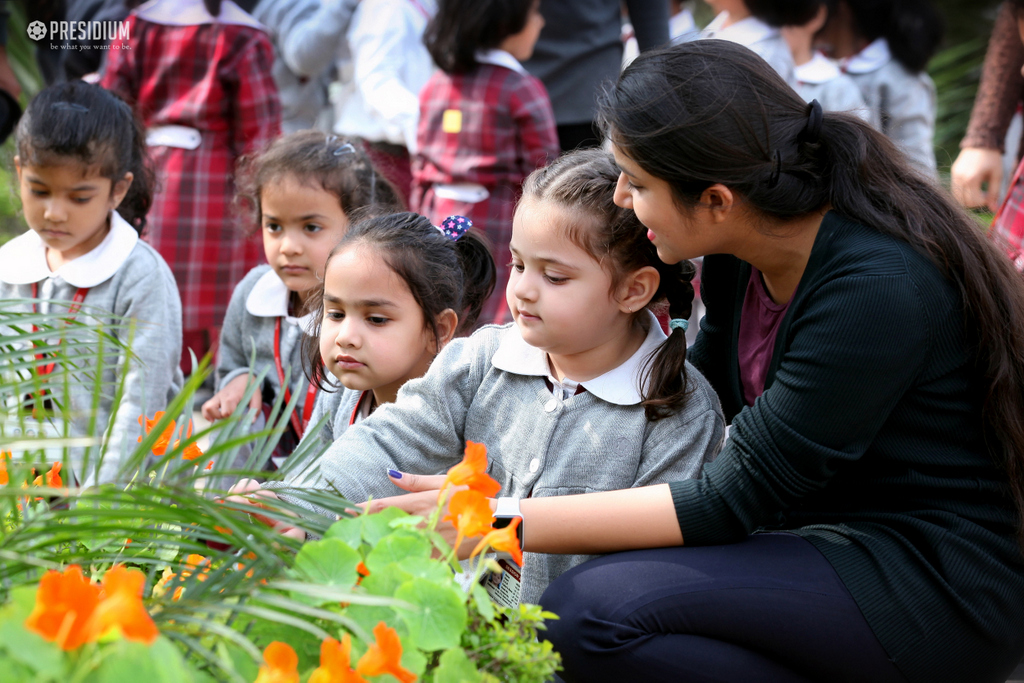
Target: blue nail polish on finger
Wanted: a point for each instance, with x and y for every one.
(394, 474)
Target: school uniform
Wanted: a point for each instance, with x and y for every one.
(205, 91)
(126, 286)
(343, 408)
(765, 40)
(901, 104)
(543, 437)
(820, 79)
(260, 335)
(480, 134)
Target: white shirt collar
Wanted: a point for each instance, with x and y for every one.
(681, 23)
(745, 31)
(621, 386)
(872, 58)
(269, 297)
(819, 70)
(192, 12)
(23, 259)
(499, 58)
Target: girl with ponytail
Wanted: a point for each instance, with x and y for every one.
(863, 520)
(884, 46)
(583, 392)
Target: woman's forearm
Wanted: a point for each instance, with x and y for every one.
(604, 522)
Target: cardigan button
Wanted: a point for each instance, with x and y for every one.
(550, 406)
(534, 465)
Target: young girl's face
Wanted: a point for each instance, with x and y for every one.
(68, 205)
(301, 224)
(559, 295)
(373, 335)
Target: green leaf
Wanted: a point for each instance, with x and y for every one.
(24, 646)
(482, 601)
(425, 568)
(236, 659)
(125, 661)
(398, 546)
(439, 615)
(368, 616)
(455, 667)
(386, 581)
(328, 562)
(378, 525)
(349, 531)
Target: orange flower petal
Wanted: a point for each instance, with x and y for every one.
(4, 456)
(282, 664)
(191, 452)
(121, 607)
(64, 606)
(160, 447)
(53, 479)
(470, 512)
(472, 472)
(384, 656)
(503, 540)
(335, 663)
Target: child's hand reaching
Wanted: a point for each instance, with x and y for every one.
(248, 492)
(225, 401)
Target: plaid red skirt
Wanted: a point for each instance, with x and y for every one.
(1008, 226)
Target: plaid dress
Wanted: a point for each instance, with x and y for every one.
(492, 126)
(216, 78)
(1008, 227)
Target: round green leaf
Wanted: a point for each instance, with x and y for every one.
(328, 562)
(349, 530)
(378, 525)
(397, 546)
(454, 667)
(438, 616)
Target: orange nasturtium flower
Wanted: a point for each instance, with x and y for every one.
(121, 608)
(384, 656)
(503, 540)
(472, 472)
(65, 602)
(335, 663)
(160, 447)
(4, 457)
(470, 512)
(282, 664)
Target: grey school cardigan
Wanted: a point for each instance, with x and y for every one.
(868, 442)
(537, 445)
(243, 333)
(141, 291)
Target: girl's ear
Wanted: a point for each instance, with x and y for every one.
(720, 200)
(638, 288)
(447, 322)
(120, 189)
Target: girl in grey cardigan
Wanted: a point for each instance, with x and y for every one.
(583, 393)
(85, 190)
(304, 188)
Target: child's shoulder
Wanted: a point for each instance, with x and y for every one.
(252, 277)
(478, 347)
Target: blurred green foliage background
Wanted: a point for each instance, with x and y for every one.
(955, 69)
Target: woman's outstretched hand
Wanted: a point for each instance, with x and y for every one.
(421, 500)
(247, 492)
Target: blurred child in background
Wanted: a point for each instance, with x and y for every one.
(485, 123)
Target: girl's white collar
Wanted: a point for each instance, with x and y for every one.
(622, 386)
(193, 12)
(499, 58)
(23, 259)
(269, 297)
(819, 70)
(872, 58)
(745, 31)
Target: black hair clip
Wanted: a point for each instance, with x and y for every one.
(70, 106)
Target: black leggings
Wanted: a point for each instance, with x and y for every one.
(769, 608)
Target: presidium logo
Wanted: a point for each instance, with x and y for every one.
(91, 31)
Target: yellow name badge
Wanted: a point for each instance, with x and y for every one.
(451, 122)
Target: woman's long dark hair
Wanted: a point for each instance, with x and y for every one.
(81, 123)
(711, 112)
